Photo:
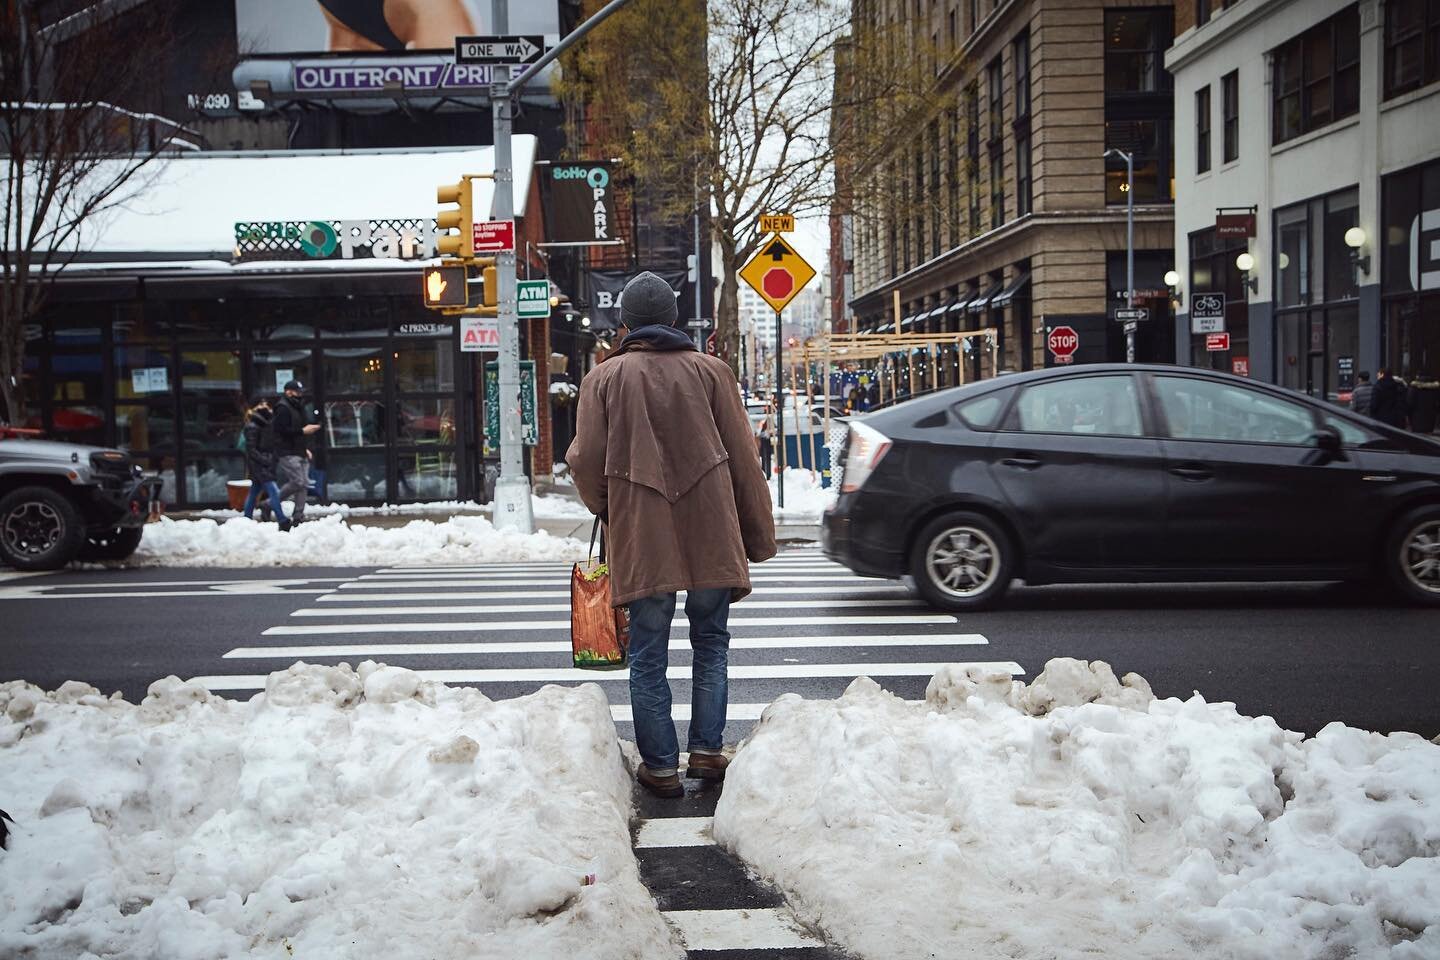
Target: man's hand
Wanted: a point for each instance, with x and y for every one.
(311, 428)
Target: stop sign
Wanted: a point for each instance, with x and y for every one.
(1063, 342)
(778, 283)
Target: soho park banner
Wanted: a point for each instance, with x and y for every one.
(606, 287)
(581, 204)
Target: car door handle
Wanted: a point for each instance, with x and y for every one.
(1022, 460)
(1194, 472)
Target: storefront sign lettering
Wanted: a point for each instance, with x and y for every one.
(1425, 251)
(425, 329)
(336, 240)
(582, 204)
(372, 76)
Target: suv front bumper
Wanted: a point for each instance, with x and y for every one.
(130, 505)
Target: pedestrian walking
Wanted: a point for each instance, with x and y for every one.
(1387, 402)
(1361, 396)
(1422, 402)
(259, 435)
(765, 439)
(663, 454)
(292, 429)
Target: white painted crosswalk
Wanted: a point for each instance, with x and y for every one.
(810, 627)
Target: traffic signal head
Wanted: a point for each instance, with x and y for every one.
(460, 218)
(490, 282)
(443, 286)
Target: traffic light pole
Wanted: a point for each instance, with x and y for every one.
(513, 508)
(779, 393)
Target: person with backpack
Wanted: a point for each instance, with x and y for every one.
(664, 455)
(259, 436)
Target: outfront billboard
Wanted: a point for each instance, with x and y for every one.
(308, 27)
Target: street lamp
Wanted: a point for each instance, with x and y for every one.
(1245, 262)
(1177, 296)
(1355, 240)
(1129, 247)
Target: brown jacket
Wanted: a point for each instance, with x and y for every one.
(663, 451)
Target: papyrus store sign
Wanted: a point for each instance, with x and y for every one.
(582, 204)
(335, 240)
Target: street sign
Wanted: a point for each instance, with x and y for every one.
(479, 334)
(777, 223)
(777, 273)
(1132, 314)
(1131, 326)
(533, 298)
(697, 324)
(494, 236)
(1207, 313)
(1215, 342)
(496, 50)
(443, 286)
(1240, 366)
(1063, 342)
(710, 347)
(529, 428)
(1234, 224)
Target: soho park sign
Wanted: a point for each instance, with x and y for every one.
(335, 239)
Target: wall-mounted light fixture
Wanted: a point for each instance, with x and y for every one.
(1246, 263)
(1355, 239)
(1177, 296)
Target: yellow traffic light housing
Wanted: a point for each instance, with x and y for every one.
(461, 218)
(489, 282)
(444, 286)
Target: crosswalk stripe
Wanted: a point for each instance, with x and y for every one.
(519, 580)
(675, 832)
(747, 929)
(741, 671)
(565, 607)
(38, 594)
(563, 646)
(861, 586)
(510, 625)
(508, 574)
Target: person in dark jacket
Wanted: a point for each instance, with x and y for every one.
(292, 428)
(260, 460)
(1422, 403)
(1387, 403)
(1363, 393)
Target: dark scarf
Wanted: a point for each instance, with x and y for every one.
(656, 336)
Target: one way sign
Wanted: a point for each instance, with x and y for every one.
(498, 50)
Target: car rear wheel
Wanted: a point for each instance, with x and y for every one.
(962, 561)
(114, 544)
(1413, 556)
(39, 529)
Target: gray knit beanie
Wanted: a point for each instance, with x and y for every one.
(648, 299)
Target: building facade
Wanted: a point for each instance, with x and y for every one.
(1314, 121)
(1003, 210)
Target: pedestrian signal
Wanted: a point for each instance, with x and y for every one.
(443, 286)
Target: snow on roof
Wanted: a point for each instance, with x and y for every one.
(191, 203)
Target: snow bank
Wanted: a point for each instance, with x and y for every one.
(545, 506)
(341, 814)
(805, 498)
(330, 542)
(1079, 816)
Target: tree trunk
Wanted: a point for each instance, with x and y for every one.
(727, 307)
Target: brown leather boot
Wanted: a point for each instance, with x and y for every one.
(706, 766)
(669, 787)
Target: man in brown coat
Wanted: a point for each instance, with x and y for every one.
(663, 453)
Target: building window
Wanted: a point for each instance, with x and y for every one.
(994, 79)
(1023, 180)
(1412, 45)
(1230, 103)
(1139, 108)
(953, 37)
(1317, 76)
(952, 178)
(1202, 129)
(972, 154)
(1316, 318)
(933, 195)
(974, 15)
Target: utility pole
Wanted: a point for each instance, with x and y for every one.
(513, 507)
(1129, 248)
(779, 393)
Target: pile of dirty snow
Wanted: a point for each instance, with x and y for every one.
(330, 542)
(805, 498)
(342, 813)
(1079, 816)
(546, 506)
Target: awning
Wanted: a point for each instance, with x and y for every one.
(1018, 284)
(959, 303)
(979, 304)
(909, 321)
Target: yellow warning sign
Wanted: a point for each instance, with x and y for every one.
(777, 223)
(777, 273)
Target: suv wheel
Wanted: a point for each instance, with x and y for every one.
(39, 529)
(1412, 556)
(962, 561)
(116, 543)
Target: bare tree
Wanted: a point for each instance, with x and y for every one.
(757, 133)
(71, 154)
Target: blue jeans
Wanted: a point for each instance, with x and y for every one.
(708, 612)
(270, 490)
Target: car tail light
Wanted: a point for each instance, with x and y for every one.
(862, 455)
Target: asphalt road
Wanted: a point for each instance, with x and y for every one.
(1304, 654)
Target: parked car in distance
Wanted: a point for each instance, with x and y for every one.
(61, 502)
(1131, 473)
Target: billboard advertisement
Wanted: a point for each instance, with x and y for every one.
(298, 27)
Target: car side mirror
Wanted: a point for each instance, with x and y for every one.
(1327, 439)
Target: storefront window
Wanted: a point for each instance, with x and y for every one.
(1411, 271)
(360, 317)
(425, 421)
(354, 423)
(195, 320)
(77, 377)
(272, 367)
(142, 372)
(355, 369)
(144, 427)
(426, 475)
(425, 366)
(356, 476)
(206, 476)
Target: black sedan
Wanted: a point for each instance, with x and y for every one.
(1129, 473)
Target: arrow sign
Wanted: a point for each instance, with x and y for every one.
(1131, 315)
(777, 273)
(499, 50)
(777, 251)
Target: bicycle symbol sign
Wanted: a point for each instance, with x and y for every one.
(1209, 306)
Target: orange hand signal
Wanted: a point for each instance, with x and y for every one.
(435, 285)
